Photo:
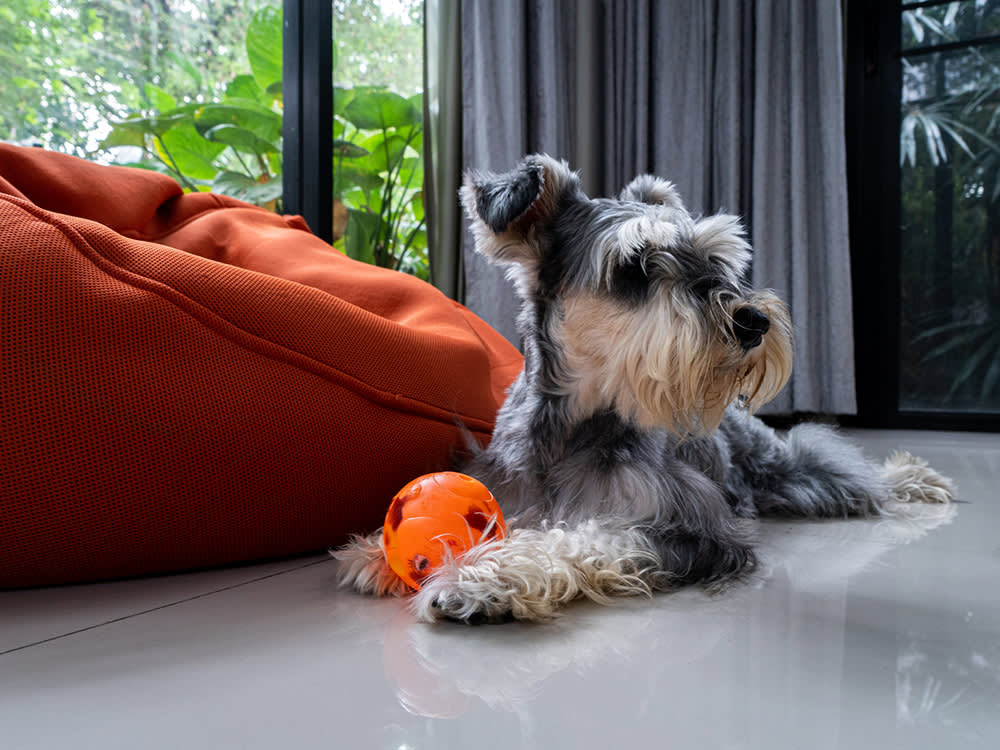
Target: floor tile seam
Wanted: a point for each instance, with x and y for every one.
(163, 606)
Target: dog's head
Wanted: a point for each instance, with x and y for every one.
(631, 304)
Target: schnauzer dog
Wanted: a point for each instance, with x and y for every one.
(625, 456)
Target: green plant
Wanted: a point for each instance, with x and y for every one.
(378, 178)
(950, 220)
(977, 345)
(232, 145)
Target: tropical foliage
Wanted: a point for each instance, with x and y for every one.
(231, 145)
(202, 101)
(378, 178)
(950, 161)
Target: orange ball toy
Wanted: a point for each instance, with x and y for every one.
(435, 516)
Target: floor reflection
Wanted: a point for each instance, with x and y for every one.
(785, 627)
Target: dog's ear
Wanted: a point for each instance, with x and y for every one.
(507, 210)
(723, 238)
(649, 189)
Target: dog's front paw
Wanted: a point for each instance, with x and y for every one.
(465, 594)
(440, 603)
(495, 582)
(912, 481)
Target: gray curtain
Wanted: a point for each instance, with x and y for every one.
(739, 103)
(443, 144)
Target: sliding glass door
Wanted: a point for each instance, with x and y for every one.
(924, 128)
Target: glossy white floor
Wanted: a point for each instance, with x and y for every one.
(860, 634)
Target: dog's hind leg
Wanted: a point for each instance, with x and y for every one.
(815, 472)
(912, 480)
(363, 567)
(707, 558)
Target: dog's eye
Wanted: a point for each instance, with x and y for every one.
(630, 280)
(702, 287)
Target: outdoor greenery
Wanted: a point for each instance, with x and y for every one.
(950, 162)
(230, 144)
(201, 100)
(379, 43)
(378, 178)
(74, 66)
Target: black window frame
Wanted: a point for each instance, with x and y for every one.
(873, 86)
(307, 93)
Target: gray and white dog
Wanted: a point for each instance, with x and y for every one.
(625, 457)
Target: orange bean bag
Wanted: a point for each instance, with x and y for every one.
(190, 381)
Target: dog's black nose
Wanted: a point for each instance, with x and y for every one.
(749, 326)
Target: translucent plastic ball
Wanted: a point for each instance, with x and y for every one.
(436, 516)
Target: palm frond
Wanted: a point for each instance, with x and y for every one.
(965, 339)
(991, 346)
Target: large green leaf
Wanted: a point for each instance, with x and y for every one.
(154, 125)
(275, 92)
(417, 206)
(359, 238)
(274, 163)
(385, 154)
(411, 174)
(243, 87)
(346, 177)
(191, 153)
(413, 136)
(264, 45)
(120, 136)
(244, 113)
(341, 98)
(377, 110)
(159, 99)
(371, 200)
(240, 139)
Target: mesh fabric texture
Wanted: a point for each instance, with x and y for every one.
(189, 381)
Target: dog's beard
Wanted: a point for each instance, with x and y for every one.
(669, 365)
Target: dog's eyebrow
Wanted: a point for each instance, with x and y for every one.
(645, 231)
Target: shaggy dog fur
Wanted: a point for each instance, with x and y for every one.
(626, 457)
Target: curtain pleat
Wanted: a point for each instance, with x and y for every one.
(443, 144)
(740, 104)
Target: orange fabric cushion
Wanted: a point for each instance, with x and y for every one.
(189, 381)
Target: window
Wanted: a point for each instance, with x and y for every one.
(198, 99)
(950, 223)
(924, 126)
(209, 92)
(378, 176)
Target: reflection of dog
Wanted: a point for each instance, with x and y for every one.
(624, 456)
(684, 634)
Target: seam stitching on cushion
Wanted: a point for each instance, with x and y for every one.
(220, 205)
(203, 313)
